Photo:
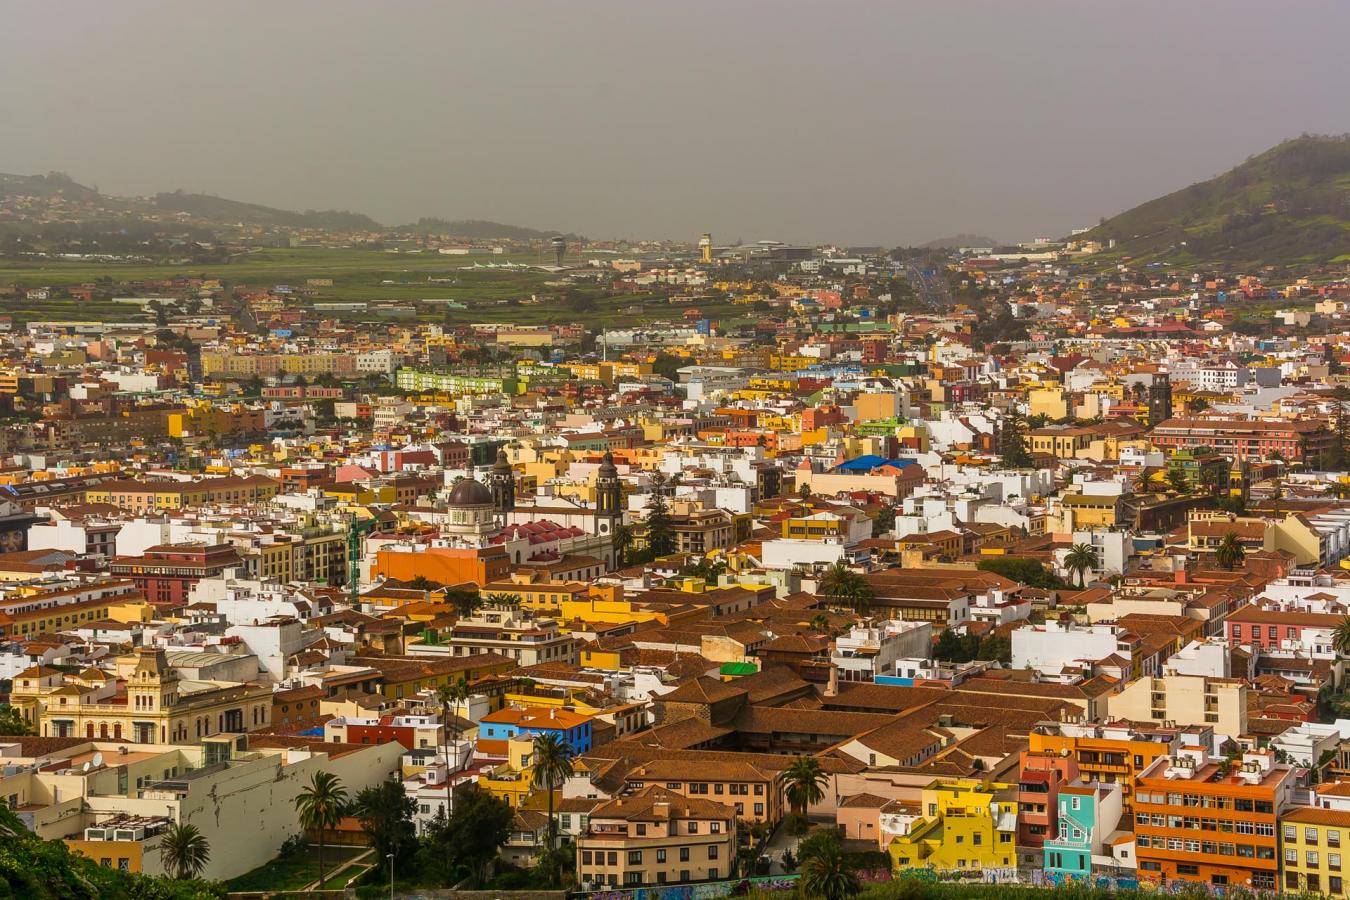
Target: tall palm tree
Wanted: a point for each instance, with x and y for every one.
(1081, 559)
(821, 623)
(1143, 482)
(183, 851)
(804, 783)
(843, 587)
(825, 874)
(320, 806)
(623, 539)
(1230, 551)
(451, 696)
(1340, 637)
(552, 766)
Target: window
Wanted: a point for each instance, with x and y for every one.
(715, 827)
(1334, 862)
(712, 851)
(693, 828)
(759, 809)
(661, 855)
(684, 857)
(641, 829)
(585, 857)
(1310, 835)
(1187, 869)
(635, 857)
(1310, 858)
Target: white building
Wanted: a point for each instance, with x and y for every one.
(1052, 646)
(871, 650)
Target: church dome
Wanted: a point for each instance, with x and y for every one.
(469, 493)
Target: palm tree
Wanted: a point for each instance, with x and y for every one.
(451, 696)
(844, 587)
(804, 783)
(320, 806)
(1143, 482)
(552, 766)
(1230, 551)
(820, 623)
(1340, 637)
(623, 539)
(183, 851)
(1081, 558)
(825, 874)
(502, 601)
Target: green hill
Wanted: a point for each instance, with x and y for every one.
(50, 185)
(1289, 204)
(218, 209)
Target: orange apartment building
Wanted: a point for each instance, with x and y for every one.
(1212, 821)
(1109, 754)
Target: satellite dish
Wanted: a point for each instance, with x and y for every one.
(98, 760)
(85, 767)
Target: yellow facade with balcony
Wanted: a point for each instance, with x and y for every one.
(965, 825)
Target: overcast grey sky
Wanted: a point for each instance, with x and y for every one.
(878, 122)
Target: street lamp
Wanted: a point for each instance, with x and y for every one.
(391, 875)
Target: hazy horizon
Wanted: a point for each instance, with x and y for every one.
(856, 123)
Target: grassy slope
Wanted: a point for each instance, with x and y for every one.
(1290, 204)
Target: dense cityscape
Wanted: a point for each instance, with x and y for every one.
(342, 558)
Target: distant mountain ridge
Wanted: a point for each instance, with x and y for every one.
(1288, 204)
(960, 240)
(481, 230)
(224, 211)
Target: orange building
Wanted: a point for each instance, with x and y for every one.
(1212, 821)
(1108, 754)
(445, 565)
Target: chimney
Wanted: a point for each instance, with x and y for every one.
(832, 686)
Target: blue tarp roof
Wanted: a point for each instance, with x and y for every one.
(871, 461)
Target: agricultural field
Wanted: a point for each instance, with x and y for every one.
(488, 294)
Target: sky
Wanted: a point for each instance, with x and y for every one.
(863, 123)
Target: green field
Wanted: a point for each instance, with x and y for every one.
(491, 295)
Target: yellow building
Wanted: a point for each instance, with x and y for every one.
(154, 706)
(1090, 510)
(1049, 402)
(964, 825)
(1311, 841)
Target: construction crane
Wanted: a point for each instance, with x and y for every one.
(356, 530)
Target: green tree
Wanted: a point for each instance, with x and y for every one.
(1081, 559)
(1024, 571)
(804, 783)
(1177, 482)
(884, 523)
(1230, 551)
(11, 723)
(1012, 442)
(468, 841)
(1340, 637)
(451, 696)
(827, 875)
(183, 851)
(623, 540)
(386, 814)
(660, 535)
(843, 587)
(320, 806)
(552, 767)
(1143, 482)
